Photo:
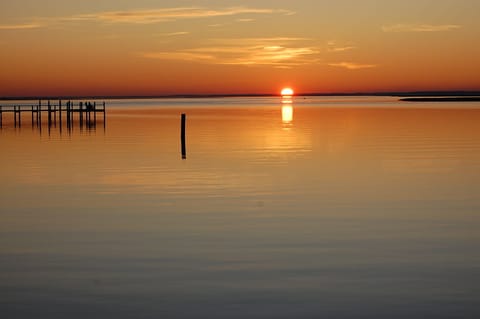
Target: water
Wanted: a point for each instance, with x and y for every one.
(319, 208)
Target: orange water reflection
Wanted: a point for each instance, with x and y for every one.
(340, 153)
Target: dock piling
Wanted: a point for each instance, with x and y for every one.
(182, 136)
(84, 110)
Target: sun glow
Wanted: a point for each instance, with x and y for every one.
(287, 114)
(287, 92)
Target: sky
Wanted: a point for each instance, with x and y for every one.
(163, 47)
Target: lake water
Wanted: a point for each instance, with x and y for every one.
(314, 208)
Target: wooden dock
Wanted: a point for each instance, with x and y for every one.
(55, 111)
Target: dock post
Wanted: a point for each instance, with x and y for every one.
(39, 112)
(55, 115)
(104, 121)
(15, 116)
(1, 116)
(89, 113)
(81, 114)
(32, 115)
(60, 114)
(95, 112)
(68, 114)
(49, 109)
(182, 136)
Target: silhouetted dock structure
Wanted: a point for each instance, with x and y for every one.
(63, 112)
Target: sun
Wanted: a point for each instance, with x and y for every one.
(287, 92)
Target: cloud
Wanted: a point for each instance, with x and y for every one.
(20, 26)
(245, 20)
(173, 34)
(249, 52)
(185, 56)
(341, 49)
(170, 14)
(333, 47)
(420, 28)
(352, 65)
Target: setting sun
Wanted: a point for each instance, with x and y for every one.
(287, 92)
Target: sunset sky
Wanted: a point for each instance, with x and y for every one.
(146, 47)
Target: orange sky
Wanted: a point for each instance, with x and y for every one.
(147, 47)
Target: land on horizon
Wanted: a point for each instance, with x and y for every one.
(414, 94)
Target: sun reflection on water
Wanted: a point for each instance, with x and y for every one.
(287, 112)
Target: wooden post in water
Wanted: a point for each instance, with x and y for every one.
(60, 111)
(104, 121)
(49, 109)
(39, 112)
(55, 115)
(60, 114)
(1, 116)
(182, 136)
(80, 105)
(15, 116)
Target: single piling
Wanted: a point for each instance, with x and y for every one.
(49, 110)
(60, 111)
(182, 136)
(80, 114)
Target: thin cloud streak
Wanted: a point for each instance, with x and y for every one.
(248, 52)
(341, 49)
(352, 65)
(420, 28)
(21, 26)
(184, 56)
(333, 47)
(170, 14)
(173, 34)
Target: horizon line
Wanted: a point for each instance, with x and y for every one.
(427, 93)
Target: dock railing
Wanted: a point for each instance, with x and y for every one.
(58, 110)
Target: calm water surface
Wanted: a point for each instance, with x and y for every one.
(319, 208)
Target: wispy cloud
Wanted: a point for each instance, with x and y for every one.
(249, 52)
(420, 27)
(352, 65)
(171, 14)
(179, 55)
(245, 20)
(332, 46)
(174, 34)
(20, 26)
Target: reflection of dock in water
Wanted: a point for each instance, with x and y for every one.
(61, 114)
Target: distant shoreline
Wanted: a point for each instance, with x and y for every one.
(442, 99)
(420, 96)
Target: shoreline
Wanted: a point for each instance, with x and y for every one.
(420, 96)
(442, 99)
